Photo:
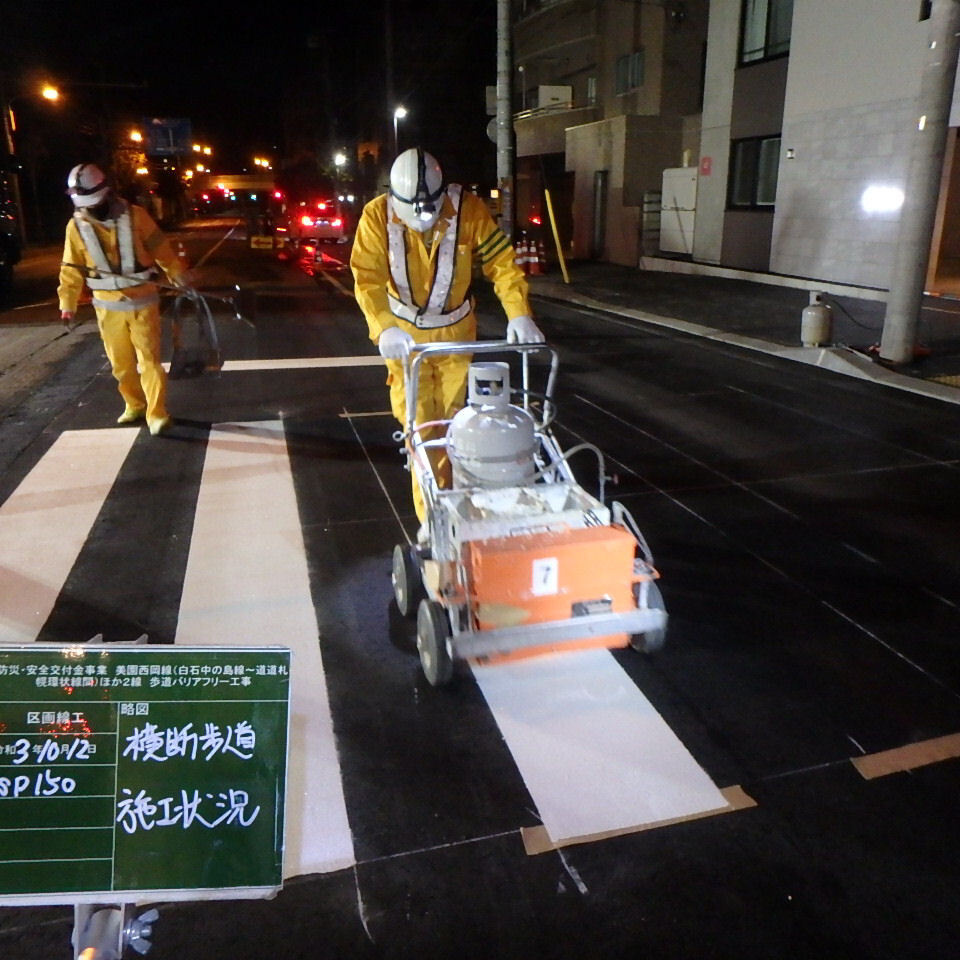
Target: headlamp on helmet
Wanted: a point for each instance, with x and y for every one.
(417, 188)
(87, 185)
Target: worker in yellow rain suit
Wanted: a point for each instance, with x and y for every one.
(113, 247)
(412, 263)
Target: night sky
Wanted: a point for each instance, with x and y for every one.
(243, 77)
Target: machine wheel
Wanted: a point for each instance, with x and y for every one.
(406, 579)
(652, 640)
(433, 632)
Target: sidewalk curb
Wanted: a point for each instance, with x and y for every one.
(841, 360)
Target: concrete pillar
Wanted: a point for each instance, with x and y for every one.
(918, 214)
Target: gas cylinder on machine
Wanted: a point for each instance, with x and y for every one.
(491, 442)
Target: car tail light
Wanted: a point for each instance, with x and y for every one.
(306, 220)
(336, 222)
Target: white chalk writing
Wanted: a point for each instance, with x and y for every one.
(142, 812)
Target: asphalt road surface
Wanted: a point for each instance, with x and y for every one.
(805, 527)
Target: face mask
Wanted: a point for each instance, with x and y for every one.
(101, 211)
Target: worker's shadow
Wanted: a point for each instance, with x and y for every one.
(401, 630)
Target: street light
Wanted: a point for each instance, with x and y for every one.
(398, 114)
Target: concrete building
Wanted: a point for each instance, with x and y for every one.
(609, 94)
(801, 150)
(829, 121)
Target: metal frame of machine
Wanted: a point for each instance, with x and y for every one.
(504, 569)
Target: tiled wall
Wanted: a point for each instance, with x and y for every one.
(827, 161)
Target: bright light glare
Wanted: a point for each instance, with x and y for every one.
(878, 198)
(399, 113)
(50, 92)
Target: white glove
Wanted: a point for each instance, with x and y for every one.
(523, 330)
(394, 343)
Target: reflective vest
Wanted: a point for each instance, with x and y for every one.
(431, 314)
(128, 275)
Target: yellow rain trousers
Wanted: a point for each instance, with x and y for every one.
(443, 381)
(131, 337)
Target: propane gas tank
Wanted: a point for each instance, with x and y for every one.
(491, 443)
(816, 322)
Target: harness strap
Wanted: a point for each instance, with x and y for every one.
(128, 303)
(428, 321)
(109, 278)
(405, 306)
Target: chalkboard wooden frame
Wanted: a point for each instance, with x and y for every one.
(138, 773)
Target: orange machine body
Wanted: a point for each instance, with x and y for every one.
(545, 576)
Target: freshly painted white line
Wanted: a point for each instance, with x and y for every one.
(593, 752)
(46, 520)
(302, 363)
(296, 363)
(247, 584)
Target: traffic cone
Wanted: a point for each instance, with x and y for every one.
(521, 257)
(542, 256)
(533, 258)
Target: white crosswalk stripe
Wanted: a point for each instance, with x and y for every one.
(45, 522)
(246, 584)
(594, 754)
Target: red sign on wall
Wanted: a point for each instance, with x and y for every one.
(706, 166)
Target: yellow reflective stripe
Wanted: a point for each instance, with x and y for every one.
(495, 237)
(504, 244)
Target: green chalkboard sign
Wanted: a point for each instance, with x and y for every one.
(141, 772)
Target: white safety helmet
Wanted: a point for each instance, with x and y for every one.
(417, 188)
(87, 185)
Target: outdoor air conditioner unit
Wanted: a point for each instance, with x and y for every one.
(554, 96)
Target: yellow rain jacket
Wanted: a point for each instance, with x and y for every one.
(128, 317)
(479, 240)
(150, 247)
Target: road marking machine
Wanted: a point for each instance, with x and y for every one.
(515, 559)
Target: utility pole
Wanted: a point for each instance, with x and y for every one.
(505, 149)
(922, 188)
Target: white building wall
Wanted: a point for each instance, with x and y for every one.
(849, 113)
(722, 41)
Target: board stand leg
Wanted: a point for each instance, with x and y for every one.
(104, 931)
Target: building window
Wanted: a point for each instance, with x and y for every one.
(926, 8)
(630, 69)
(591, 91)
(753, 172)
(765, 31)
